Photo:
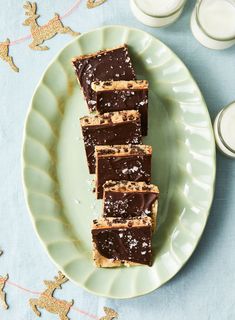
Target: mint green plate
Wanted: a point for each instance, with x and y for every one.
(57, 184)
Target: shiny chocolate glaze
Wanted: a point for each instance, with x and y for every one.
(124, 244)
(130, 167)
(128, 99)
(128, 204)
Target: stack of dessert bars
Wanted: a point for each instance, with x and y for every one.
(115, 153)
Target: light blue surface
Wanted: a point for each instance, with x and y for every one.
(204, 289)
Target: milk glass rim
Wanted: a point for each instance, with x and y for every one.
(164, 16)
(219, 126)
(198, 5)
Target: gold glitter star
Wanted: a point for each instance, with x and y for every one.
(45, 32)
(48, 302)
(3, 281)
(4, 54)
(94, 3)
(110, 314)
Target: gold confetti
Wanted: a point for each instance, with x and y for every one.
(3, 281)
(110, 314)
(45, 32)
(94, 3)
(4, 54)
(48, 302)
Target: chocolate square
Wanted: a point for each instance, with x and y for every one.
(113, 128)
(123, 95)
(128, 199)
(110, 64)
(123, 162)
(117, 242)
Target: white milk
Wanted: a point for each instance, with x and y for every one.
(158, 7)
(224, 127)
(227, 126)
(157, 13)
(217, 18)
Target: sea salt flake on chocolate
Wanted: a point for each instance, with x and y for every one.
(133, 243)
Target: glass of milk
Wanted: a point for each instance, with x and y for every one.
(213, 23)
(224, 129)
(157, 13)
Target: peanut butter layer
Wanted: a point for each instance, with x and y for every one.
(130, 186)
(110, 118)
(119, 85)
(103, 151)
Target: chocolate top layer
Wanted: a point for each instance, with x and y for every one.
(113, 64)
(128, 204)
(126, 99)
(113, 133)
(122, 167)
(124, 244)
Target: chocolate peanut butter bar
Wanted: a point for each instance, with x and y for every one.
(110, 64)
(130, 199)
(123, 95)
(121, 127)
(122, 162)
(118, 242)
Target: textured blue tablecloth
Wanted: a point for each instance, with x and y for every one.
(204, 289)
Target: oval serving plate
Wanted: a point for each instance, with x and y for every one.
(57, 184)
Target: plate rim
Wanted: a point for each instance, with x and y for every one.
(23, 162)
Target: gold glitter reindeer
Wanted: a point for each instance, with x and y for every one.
(45, 32)
(48, 302)
(3, 281)
(110, 314)
(94, 3)
(4, 54)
